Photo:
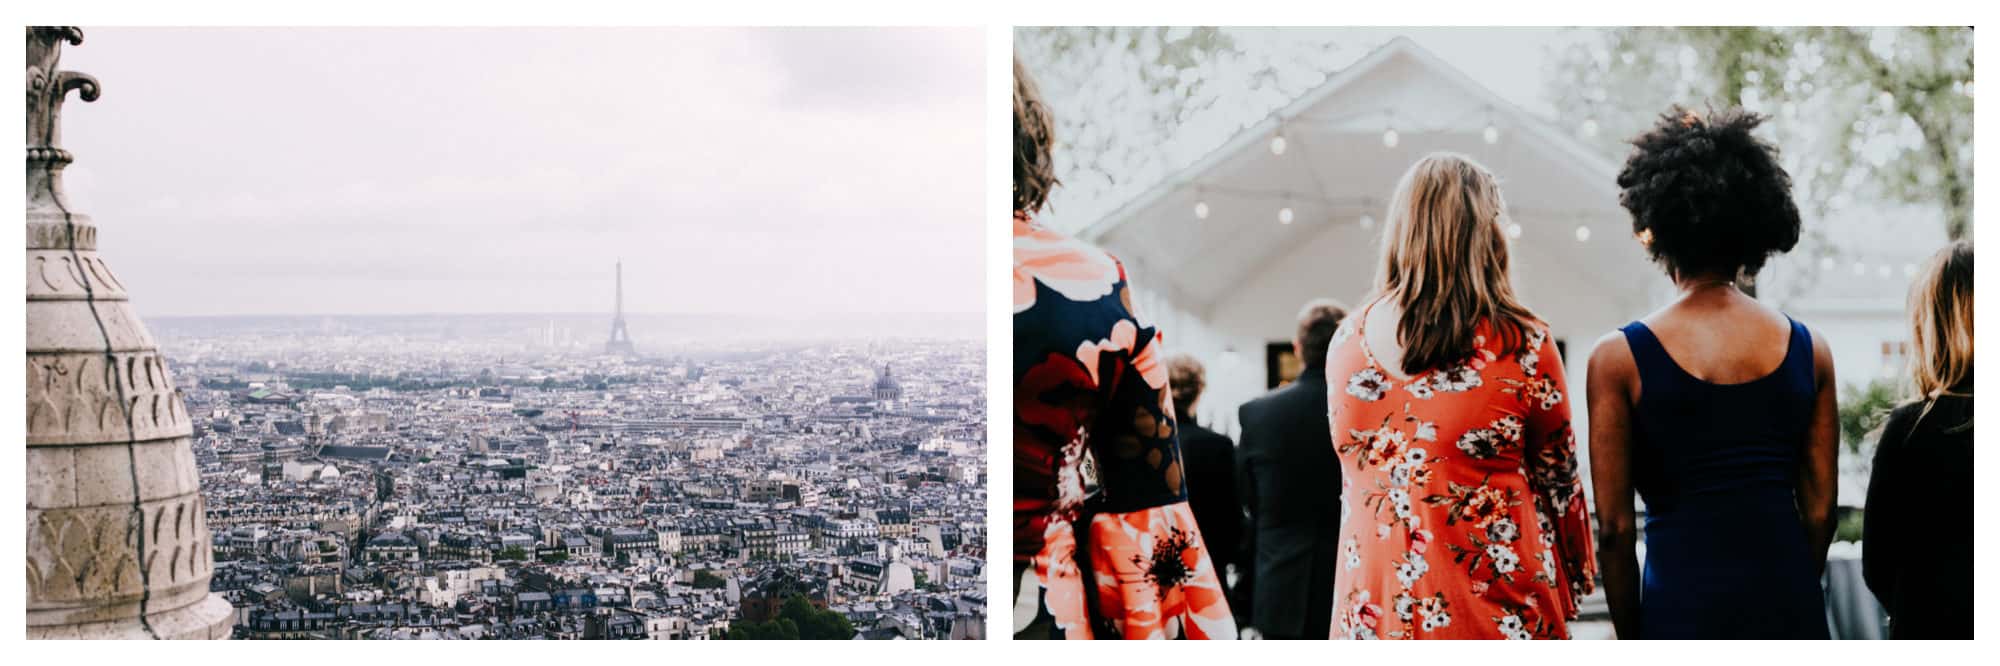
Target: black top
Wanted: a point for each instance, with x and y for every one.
(1917, 529)
(1291, 480)
(1211, 486)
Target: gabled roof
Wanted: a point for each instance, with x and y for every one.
(1589, 165)
(1338, 169)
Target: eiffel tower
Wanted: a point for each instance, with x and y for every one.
(620, 343)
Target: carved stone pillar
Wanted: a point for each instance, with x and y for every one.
(118, 546)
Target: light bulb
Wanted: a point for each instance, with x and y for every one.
(1285, 215)
(1590, 127)
(1492, 134)
(1883, 271)
(1513, 230)
(1909, 270)
(1582, 233)
(1278, 145)
(1826, 263)
(1201, 210)
(1367, 221)
(1860, 268)
(1389, 138)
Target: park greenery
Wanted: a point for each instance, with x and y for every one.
(707, 580)
(796, 620)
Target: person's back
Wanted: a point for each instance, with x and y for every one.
(1727, 391)
(1211, 481)
(1287, 465)
(1918, 525)
(1917, 529)
(1124, 559)
(1718, 411)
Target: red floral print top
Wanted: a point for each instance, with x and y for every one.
(1462, 513)
(1090, 385)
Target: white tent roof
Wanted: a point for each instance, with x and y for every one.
(1336, 168)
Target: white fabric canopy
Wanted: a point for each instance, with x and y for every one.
(1226, 285)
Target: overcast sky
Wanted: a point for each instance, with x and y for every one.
(316, 171)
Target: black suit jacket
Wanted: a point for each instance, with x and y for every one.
(1210, 460)
(1291, 484)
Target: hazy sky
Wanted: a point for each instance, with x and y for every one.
(264, 171)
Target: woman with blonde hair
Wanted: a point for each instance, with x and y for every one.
(1916, 546)
(1462, 514)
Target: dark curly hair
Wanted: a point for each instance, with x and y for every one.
(1708, 197)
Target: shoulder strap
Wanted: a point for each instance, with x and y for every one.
(1647, 354)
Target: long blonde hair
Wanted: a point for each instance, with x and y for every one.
(1444, 262)
(1941, 321)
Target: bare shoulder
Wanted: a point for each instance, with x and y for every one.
(1822, 355)
(1611, 353)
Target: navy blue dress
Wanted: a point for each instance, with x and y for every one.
(1717, 465)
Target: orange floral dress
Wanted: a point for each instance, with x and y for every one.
(1462, 514)
(1095, 447)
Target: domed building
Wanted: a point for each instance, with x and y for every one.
(886, 388)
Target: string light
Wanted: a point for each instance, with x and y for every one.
(1883, 271)
(1909, 270)
(1389, 138)
(1582, 233)
(1513, 230)
(1367, 221)
(1285, 215)
(1860, 268)
(1201, 210)
(1826, 263)
(1590, 127)
(1492, 134)
(1278, 144)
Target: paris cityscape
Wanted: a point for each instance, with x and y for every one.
(316, 400)
(466, 477)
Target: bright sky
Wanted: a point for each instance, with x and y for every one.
(315, 171)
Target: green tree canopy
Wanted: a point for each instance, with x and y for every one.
(1133, 104)
(797, 620)
(1883, 112)
(706, 580)
(776, 630)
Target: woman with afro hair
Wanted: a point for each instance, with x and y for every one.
(1717, 410)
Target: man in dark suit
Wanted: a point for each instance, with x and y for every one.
(1291, 480)
(1210, 460)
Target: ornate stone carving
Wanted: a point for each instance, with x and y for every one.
(117, 536)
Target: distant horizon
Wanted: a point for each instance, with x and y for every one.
(605, 315)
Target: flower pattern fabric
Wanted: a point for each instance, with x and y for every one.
(1468, 518)
(1105, 545)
